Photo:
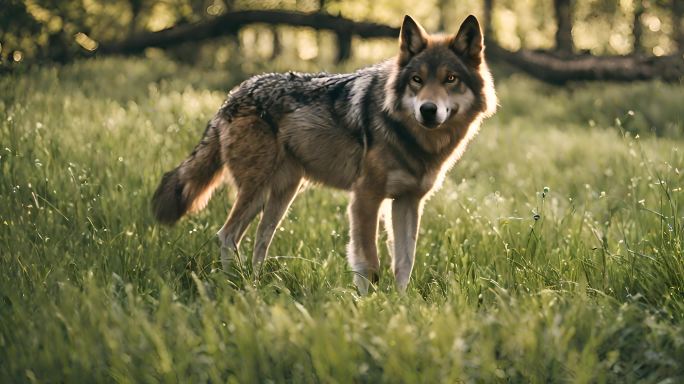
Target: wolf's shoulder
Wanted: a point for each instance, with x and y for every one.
(294, 81)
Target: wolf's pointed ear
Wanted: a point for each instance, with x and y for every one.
(468, 42)
(412, 38)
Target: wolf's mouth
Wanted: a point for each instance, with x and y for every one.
(430, 124)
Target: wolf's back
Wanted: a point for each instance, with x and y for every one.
(188, 187)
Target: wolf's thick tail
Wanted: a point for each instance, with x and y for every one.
(188, 187)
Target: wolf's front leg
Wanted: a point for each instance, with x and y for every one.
(386, 217)
(405, 221)
(362, 252)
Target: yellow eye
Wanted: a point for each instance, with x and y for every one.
(417, 79)
(451, 79)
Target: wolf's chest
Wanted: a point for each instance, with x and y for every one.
(400, 182)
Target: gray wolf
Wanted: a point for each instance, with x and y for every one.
(388, 132)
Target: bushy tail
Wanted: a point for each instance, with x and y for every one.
(189, 186)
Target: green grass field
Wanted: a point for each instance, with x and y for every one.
(553, 253)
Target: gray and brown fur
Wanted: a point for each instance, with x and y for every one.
(388, 132)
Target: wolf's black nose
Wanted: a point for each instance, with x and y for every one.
(428, 111)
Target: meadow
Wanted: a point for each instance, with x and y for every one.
(553, 252)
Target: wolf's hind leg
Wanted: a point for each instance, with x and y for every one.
(250, 151)
(246, 207)
(280, 198)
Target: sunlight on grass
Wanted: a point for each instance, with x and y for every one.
(553, 252)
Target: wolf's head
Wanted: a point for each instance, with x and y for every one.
(441, 79)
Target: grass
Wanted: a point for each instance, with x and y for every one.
(553, 253)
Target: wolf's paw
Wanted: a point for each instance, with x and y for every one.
(366, 281)
(229, 258)
(362, 284)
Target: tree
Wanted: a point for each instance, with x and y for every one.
(637, 26)
(677, 11)
(441, 9)
(563, 11)
(136, 9)
(488, 11)
(344, 41)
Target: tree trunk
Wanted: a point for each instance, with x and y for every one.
(441, 7)
(136, 8)
(563, 10)
(277, 46)
(319, 35)
(344, 40)
(637, 27)
(488, 11)
(678, 23)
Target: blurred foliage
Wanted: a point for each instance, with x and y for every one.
(38, 30)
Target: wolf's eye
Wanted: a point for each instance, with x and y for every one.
(451, 79)
(417, 79)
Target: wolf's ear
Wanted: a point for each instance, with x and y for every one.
(468, 42)
(412, 38)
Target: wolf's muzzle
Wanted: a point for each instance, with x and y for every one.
(429, 112)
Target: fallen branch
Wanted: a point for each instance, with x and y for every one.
(546, 66)
(230, 23)
(551, 68)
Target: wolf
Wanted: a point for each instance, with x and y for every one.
(386, 133)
